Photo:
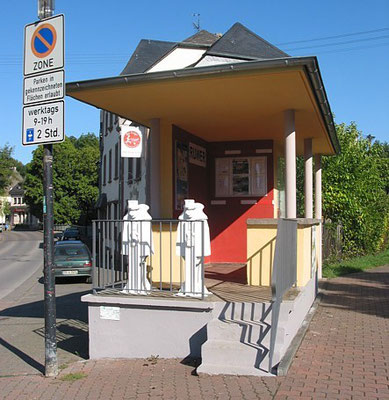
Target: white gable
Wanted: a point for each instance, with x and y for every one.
(177, 59)
(215, 60)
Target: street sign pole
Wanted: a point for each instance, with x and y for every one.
(51, 362)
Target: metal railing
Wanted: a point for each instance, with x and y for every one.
(118, 244)
(284, 274)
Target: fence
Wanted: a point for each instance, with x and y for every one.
(141, 257)
(332, 241)
(284, 273)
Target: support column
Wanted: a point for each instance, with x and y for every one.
(318, 210)
(154, 181)
(290, 164)
(308, 181)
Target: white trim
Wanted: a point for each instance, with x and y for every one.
(218, 202)
(261, 151)
(248, 202)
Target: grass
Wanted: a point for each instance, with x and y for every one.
(357, 264)
(73, 377)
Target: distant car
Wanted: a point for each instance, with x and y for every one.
(71, 234)
(72, 258)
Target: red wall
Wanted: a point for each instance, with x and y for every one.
(227, 222)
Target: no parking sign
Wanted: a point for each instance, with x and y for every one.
(44, 45)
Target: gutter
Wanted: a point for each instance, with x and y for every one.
(309, 64)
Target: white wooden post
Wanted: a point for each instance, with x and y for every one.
(290, 164)
(318, 210)
(308, 181)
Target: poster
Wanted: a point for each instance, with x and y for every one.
(222, 178)
(259, 176)
(181, 171)
(240, 177)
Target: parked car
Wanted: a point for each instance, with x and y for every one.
(72, 258)
(71, 234)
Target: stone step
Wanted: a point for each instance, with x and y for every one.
(226, 353)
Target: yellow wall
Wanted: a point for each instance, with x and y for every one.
(167, 256)
(261, 240)
(166, 168)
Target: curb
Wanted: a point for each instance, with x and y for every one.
(286, 361)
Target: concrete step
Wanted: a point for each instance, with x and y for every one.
(226, 353)
(240, 335)
(247, 312)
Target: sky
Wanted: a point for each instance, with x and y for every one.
(349, 37)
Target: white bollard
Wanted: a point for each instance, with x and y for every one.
(137, 245)
(192, 240)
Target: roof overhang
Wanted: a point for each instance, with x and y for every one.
(241, 101)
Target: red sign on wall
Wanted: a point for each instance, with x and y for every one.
(131, 142)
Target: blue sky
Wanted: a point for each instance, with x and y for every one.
(100, 36)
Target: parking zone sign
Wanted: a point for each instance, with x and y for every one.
(44, 84)
(44, 45)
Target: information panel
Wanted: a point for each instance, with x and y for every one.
(43, 123)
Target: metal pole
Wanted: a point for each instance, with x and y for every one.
(45, 9)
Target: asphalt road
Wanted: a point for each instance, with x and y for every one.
(22, 322)
(21, 255)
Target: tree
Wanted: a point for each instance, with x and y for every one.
(75, 180)
(354, 190)
(6, 164)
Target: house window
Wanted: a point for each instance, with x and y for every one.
(116, 161)
(104, 169)
(109, 121)
(240, 176)
(134, 169)
(110, 166)
(15, 200)
(106, 122)
(115, 211)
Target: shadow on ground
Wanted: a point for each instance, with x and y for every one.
(370, 286)
(72, 325)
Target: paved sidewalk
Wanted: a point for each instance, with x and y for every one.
(344, 355)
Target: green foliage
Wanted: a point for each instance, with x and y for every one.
(75, 180)
(72, 377)
(357, 264)
(6, 209)
(6, 164)
(354, 191)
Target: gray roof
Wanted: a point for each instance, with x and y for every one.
(202, 37)
(237, 42)
(17, 190)
(240, 41)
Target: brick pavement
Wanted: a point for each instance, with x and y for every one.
(344, 355)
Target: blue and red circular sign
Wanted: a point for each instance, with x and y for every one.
(43, 40)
